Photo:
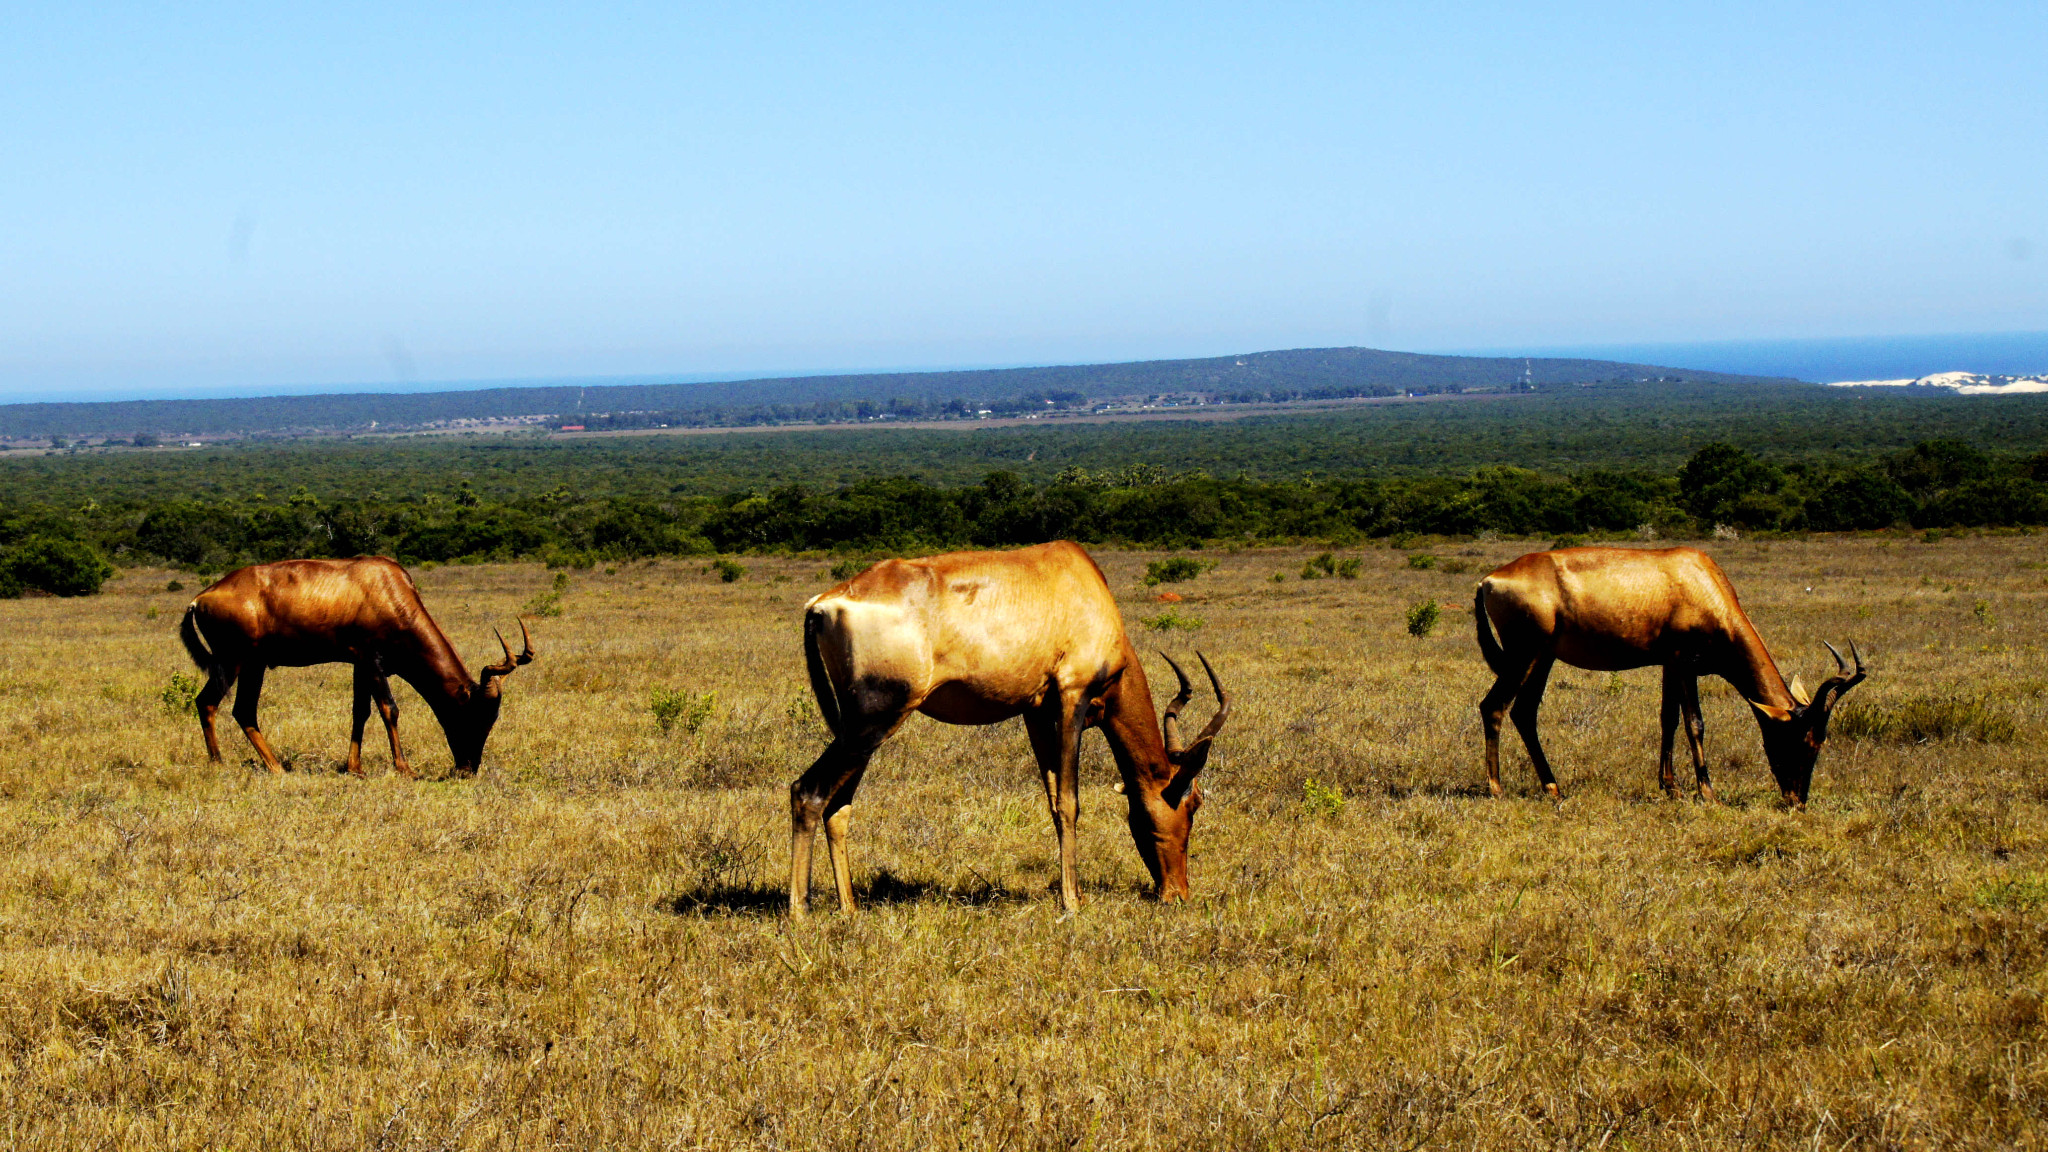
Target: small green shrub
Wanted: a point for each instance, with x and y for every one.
(1574, 540)
(1320, 799)
(1421, 560)
(181, 694)
(675, 707)
(175, 586)
(1924, 719)
(1169, 620)
(1456, 567)
(728, 570)
(1175, 569)
(848, 568)
(1422, 618)
(548, 603)
(1347, 568)
(1277, 578)
(1982, 611)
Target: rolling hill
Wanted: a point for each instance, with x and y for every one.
(1260, 377)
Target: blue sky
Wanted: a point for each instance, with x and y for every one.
(254, 199)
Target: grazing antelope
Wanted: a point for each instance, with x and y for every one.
(365, 612)
(976, 638)
(1608, 609)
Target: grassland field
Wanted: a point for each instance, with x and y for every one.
(585, 947)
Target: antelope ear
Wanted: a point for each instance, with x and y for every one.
(1771, 712)
(1801, 692)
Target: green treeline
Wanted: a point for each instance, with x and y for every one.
(1634, 428)
(1944, 483)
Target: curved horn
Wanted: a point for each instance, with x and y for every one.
(1215, 724)
(488, 676)
(1169, 722)
(1830, 693)
(1189, 760)
(1841, 665)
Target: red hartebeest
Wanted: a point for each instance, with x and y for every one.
(365, 612)
(976, 638)
(1608, 609)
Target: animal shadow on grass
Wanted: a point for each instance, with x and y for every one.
(725, 898)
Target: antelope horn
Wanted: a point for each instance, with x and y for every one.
(1169, 723)
(1215, 724)
(505, 667)
(1841, 665)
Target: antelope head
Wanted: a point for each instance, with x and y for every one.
(466, 742)
(1161, 822)
(1793, 736)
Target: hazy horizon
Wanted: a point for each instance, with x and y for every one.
(1818, 361)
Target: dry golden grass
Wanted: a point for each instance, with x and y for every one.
(585, 947)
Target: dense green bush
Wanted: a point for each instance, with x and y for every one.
(54, 565)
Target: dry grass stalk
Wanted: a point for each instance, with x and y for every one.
(585, 948)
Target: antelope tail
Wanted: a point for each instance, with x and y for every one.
(1488, 646)
(821, 684)
(188, 631)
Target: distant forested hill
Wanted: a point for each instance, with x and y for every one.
(1301, 374)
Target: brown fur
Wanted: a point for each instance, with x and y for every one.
(1610, 609)
(365, 612)
(977, 638)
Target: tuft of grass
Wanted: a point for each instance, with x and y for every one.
(678, 708)
(1926, 718)
(2023, 895)
(1170, 620)
(1320, 799)
(1422, 618)
(548, 603)
(1422, 560)
(1175, 569)
(1982, 612)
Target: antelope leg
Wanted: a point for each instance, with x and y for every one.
(1527, 702)
(246, 698)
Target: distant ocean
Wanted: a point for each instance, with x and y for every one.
(1827, 360)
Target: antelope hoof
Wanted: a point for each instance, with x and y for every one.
(1493, 788)
(1556, 797)
(1707, 794)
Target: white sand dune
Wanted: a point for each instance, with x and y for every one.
(1962, 383)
